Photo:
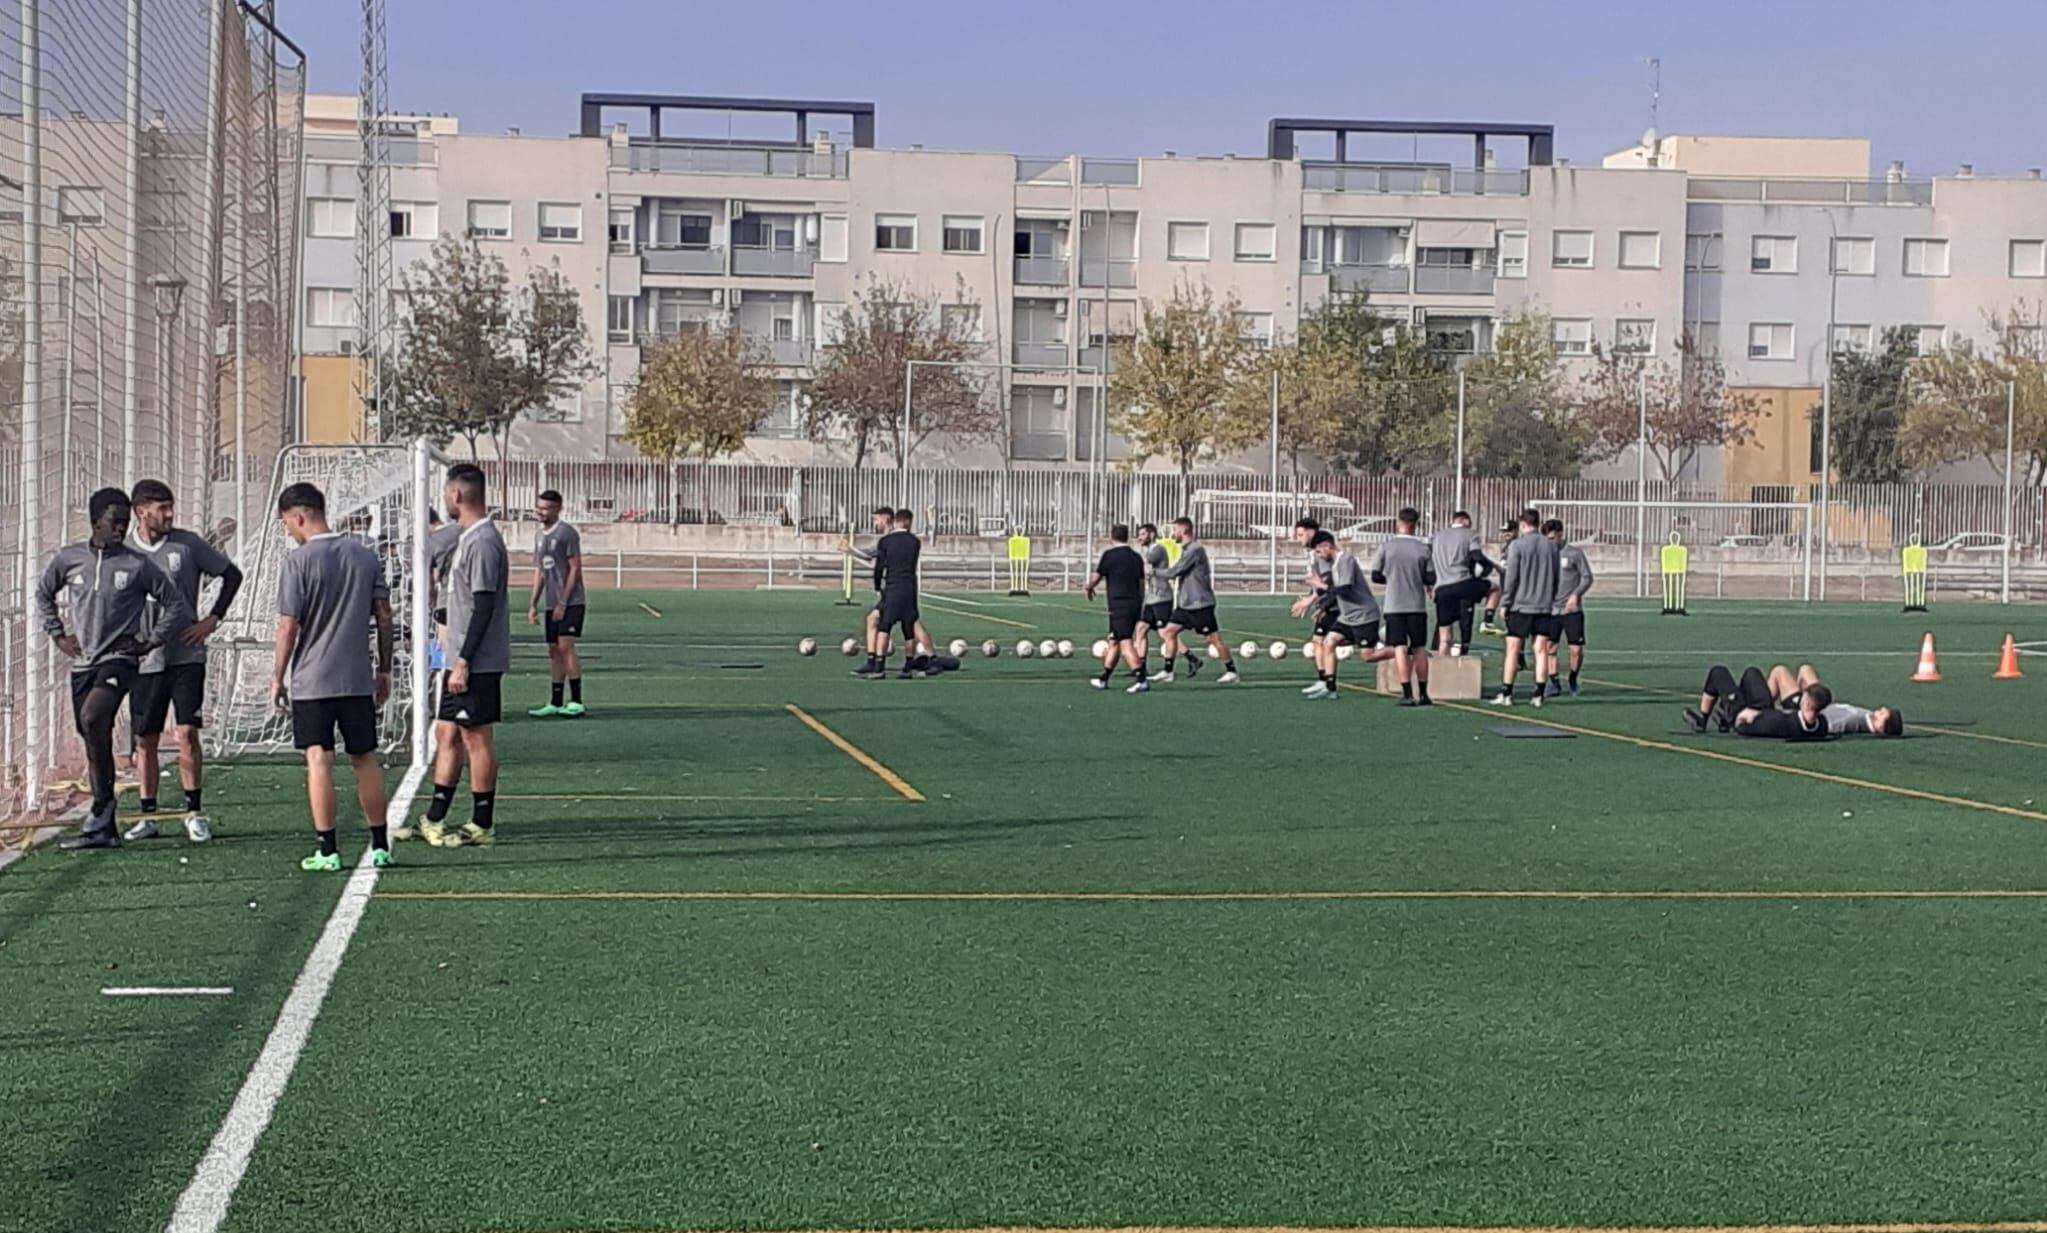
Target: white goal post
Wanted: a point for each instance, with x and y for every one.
(1756, 534)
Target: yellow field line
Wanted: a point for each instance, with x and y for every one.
(1203, 896)
(978, 616)
(640, 796)
(854, 752)
(650, 610)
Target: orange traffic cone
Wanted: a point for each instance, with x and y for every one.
(1927, 672)
(2008, 662)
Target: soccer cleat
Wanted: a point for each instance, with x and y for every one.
(1556, 689)
(433, 833)
(1161, 678)
(1228, 678)
(871, 673)
(1425, 700)
(94, 837)
(198, 827)
(545, 712)
(143, 829)
(574, 710)
(1098, 682)
(1193, 668)
(1573, 689)
(1502, 700)
(1695, 720)
(470, 836)
(403, 832)
(1536, 701)
(322, 862)
(1410, 702)
(380, 857)
(1327, 695)
(1319, 689)
(1141, 687)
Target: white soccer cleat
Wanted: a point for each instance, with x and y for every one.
(1141, 687)
(1319, 689)
(1227, 678)
(1502, 700)
(198, 827)
(1097, 682)
(1162, 678)
(143, 829)
(1536, 701)
(404, 832)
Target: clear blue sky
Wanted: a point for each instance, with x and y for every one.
(1933, 83)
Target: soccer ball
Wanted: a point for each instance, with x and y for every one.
(850, 646)
(1307, 650)
(1048, 648)
(1277, 650)
(1249, 650)
(807, 647)
(1099, 649)
(1066, 648)
(1025, 649)
(956, 648)
(991, 648)
(1345, 651)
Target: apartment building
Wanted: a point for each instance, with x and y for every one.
(1052, 257)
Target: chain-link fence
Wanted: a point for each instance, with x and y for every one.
(149, 203)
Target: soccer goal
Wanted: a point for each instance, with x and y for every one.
(1748, 549)
(382, 493)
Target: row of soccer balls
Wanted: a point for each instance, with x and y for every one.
(1063, 649)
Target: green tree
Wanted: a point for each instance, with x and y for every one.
(1520, 419)
(1185, 385)
(857, 394)
(1868, 408)
(1362, 390)
(701, 393)
(1955, 399)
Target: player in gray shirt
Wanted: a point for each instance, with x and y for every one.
(1528, 591)
(1158, 594)
(1345, 615)
(478, 598)
(558, 590)
(1405, 565)
(1461, 587)
(1193, 608)
(120, 607)
(330, 591)
(173, 678)
(1574, 579)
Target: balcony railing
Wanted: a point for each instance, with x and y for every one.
(787, 352)
(1453, 280)
(1042, 271)
(1037, 446)
(776, 262)
(1342, 178)
(1119, 273)
(407, 150)
(1381, 278)
(1040, 354)
(1120, 171)
(1043, 170)
(1823, 192)
(730, 161)
(706, 259)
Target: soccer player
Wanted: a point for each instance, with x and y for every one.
(878, 644)
(121, 607)
(478, 599)
(1749, 708)
(895, 576)
(1574, 579)
(330, 590)
(1843, 718)
(558, 585)
(173, 676)
(1461, 587)
(1193, 608)
(1405, 565)
(1316, 576)
(1158, 596)
(1528, 591)
(1121, 569)
(1345, 612)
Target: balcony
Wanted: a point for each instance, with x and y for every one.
(1110, 171)
(1042, 271)
(774, 262)
(731, 161)
(1843, 192)
(706, 259)
(786, 352)
(1040, 354)
(1043, 170)
(1368, 278)
(1453, 280)
(1120, 273)
(1345, 178)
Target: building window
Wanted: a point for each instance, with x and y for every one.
(960, 321)
(1187, 241)
(1513, 254)
(415, 220)
(1927, 339)
(2029, 258)
(1854, 255)
(1705, 339)
(620, 229)
(963, 234)
(831, 238)
(1255, 241)
(1852, 339)
(84, 205)
(330, 307)
(1702, 251)
(786, 420)
(1256, 329)
(1769, 340)
(330, 218)
(1641, 250)
(619, 324)
(674, 228)
(1926, 258)
(1571, 336)
(490, 220)
(895, 233)
(1571, 250)
(1773, 254)
(1037, 422)
(561, 222)
(1634, 336)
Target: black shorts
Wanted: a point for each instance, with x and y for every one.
(1408, 629)
(898, 609)
(479, 706)
(1571, 627)
(1458, 598)
(1526, 625)
(1156, 616)
(179, 689)
(119, 677)
(1361, 634)
(314, 720)
(1123, 620)
(1200, 620)
(570, 626)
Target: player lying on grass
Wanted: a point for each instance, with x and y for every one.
(1843, 718)
(1748, 707)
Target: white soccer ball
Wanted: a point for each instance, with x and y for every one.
(807, 647)
(1248, 650)
(1048, 648)
(1307, 650)
(991, 648)
(850, 646)
(1277, 650)
(1025, 649)
(1100, 648)
(1066, 648)
(1346, 651)
(956, 648)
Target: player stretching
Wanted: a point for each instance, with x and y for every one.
(1193, 608)
(1461, 586)
(1528, 591)
(1405, 566)
(173, 677)
(1158, 596)
(1345, 613)
(121, 607)
(895, 576)
(1574, 579)
(478, 598)
(330, 589)
(1122, 569)
(558, 584)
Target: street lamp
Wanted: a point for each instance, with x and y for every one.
(169, 293)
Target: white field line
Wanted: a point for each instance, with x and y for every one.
(167, 991)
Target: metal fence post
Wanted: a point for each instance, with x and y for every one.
(2004, 556)
(1641, 482)
(36, 650)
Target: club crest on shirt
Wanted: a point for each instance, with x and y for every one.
(547, 562)
(121, 577)
(175, 559)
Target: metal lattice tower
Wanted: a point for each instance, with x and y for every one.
(373, 276)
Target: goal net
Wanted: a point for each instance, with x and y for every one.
(1734, 549)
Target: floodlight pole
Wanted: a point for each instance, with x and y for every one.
(1827, 393)
(2010, 423)
(1272, 540)
(1457, 502)
(1641, 481)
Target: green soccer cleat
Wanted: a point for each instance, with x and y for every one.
(574, 710)
(546, 712)
(435, 834)
(470, 836)
(380, 857)
(329, 862)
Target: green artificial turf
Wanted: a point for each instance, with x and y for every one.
(664, 1063)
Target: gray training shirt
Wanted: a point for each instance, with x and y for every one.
(1528, 579)
(1405, 566)
(480, 563)
(1158, 589)
(1197, 586)
(1574, 574)
(332, 585)
(552, 550)
(186, 559)
(1846, 718)
(111, 591)
(1451, 550)
(1354, 602)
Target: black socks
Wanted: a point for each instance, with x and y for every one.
(444, 796)
(575, 689)
(328, 843)
(481, 805)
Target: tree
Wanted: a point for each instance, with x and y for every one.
(1186, 383)
(474, 354)
(857, 393)
(1955, 400)
(700, 392)
(1519, 418)
(1689, 406)
(1355, 388)
(1867, 408)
